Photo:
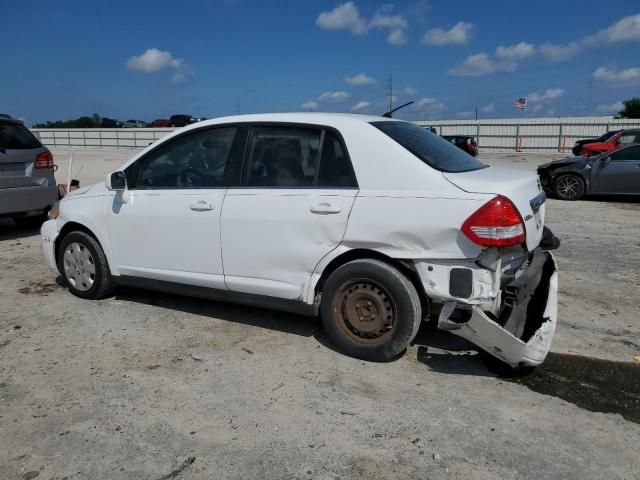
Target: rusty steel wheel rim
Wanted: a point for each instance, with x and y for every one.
(365, 312)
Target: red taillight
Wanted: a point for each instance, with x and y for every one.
(44, 160)
(496, 224)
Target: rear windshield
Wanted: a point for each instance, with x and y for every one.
(430, 148)
(17, 137)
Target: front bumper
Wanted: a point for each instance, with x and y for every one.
(48, 234)
(519, 331)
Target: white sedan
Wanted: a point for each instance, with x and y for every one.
(373, 223)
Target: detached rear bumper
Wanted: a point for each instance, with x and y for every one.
(522, 329)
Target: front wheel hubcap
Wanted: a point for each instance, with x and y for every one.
(365, 312)
(79, 266)
(568, 186)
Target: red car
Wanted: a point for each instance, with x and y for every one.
(623, 137)
(159, 122)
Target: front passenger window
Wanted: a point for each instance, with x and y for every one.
(629, 153)
(196, 160)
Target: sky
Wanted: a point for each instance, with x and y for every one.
(147, 60)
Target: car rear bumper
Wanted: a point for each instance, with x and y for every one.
(520, 327)
(48, 234)
(26, 199)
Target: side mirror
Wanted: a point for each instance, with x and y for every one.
(116, 181)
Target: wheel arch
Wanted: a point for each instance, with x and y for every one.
(406, 267)
(76, 227)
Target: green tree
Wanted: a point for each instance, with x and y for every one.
(631, 108)
(82, 122)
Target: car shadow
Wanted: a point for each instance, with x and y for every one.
(231, 312)
(446, 353)
(612, 198)
(10, 231)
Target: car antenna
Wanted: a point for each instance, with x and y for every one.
(390, 112)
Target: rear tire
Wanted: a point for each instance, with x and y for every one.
(569, 186)
(370, 310)
(84, 267)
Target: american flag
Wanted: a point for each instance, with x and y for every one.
(521, 103)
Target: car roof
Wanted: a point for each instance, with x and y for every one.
(312, 118)
(10, 121)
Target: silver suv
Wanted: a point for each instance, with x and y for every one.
(27, 185)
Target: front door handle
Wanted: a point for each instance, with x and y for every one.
(325, 209)
(201, 206)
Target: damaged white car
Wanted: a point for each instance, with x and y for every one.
(373, 223)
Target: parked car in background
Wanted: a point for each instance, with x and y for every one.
(134, 124)
(577, 147)
(159, 123)
(27, 184)
(464, 142)
(110, 123)
(306, 213)
(5, 115)
(623, 137)
(199, 119)
(181, 120)
(616, 172)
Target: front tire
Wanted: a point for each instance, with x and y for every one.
(569, 187)
(84, 267)
(370, 310)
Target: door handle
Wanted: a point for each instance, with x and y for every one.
(201, 206)
(325, 209)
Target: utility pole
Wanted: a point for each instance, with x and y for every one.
(390, 90)
(476, 114)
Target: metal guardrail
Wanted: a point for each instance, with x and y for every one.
(497, 136)
(100, 137)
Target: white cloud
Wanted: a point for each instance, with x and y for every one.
(397, 37)
(154, 60)
(515, 52)
(430, 105)
(334, 97)
(551, 112)
(359, 80)
(560, 53)
(481, 64)
(617, 77)
(457, 35)
(344, 17)
(537, 108)
(550, 93)
(489, 108)
(614, 107)
(310, 105)
(360, 106)
(624, 30)
(467, 114)
(410, 91)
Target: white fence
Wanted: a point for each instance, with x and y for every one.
(532, 134)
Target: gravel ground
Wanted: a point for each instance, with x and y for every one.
(135, 385)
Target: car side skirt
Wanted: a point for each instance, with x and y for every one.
(263, 301)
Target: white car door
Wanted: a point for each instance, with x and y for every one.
(169, 228)
(297, 191)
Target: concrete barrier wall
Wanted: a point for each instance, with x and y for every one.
(524, 134)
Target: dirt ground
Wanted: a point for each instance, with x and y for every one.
(142, 384)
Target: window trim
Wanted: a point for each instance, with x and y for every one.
(241, 184)
(228, 171)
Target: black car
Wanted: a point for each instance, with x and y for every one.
(110, 123)
(464, 142)
(181, 120)
(616, 172)
(577, 147)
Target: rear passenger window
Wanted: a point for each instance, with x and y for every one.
(17, 137)
(197, 160)
(283, 157)
(297, 157)
(335, 168)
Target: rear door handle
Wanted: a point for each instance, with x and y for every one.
(325, 209)
(201, 206)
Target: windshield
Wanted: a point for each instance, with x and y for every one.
(430, 148)
(17, 137)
